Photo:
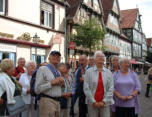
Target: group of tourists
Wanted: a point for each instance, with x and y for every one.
(52, 89)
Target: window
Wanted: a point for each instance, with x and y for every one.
(40, 59)
(2, 6)
(10, 55)
(47, 14)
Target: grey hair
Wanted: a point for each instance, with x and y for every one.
(98, 52)
(29, 63)
(20, 59)
(123, 59)
(60, 64)
(6, 64)
(114, 56)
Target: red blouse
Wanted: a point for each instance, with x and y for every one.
(100, 89)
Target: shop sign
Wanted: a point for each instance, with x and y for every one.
(6, 35)
(57, 39)
(7, 47)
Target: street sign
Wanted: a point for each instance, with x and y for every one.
(71, 45)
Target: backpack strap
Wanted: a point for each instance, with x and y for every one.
(53, 70)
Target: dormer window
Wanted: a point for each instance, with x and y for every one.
(47, 14)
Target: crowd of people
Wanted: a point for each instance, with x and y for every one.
(52, 89)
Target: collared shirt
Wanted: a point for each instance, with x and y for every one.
(43, 83)
(125, 85)
(91, 82)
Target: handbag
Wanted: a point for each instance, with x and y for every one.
(150, 77)
(18, 107)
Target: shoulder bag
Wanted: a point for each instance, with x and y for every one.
(18, 107)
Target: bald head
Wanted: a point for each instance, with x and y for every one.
(83, 60)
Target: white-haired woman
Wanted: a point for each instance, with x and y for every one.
(98, 88)
(126, 90)
(114, 63)
(9, 87)
(25, 80)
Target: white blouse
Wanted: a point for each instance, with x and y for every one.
(25, 80)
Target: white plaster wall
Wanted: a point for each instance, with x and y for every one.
(59, 17)
(17, 29)
(28, 10)
(23, 51)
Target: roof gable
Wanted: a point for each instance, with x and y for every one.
(107, 5)
(74, 4)
(128, 18)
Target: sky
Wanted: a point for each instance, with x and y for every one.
(145, 9)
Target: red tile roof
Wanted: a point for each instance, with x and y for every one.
(128, 18)
(74, 4)
(107, 5)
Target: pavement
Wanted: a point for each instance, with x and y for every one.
(145, 103)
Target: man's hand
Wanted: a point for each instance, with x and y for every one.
(81, 79)
(66, 95)
(58, 81)
(1, 101)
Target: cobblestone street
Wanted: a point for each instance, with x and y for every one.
(145, 103)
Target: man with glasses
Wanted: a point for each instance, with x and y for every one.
(48, 84)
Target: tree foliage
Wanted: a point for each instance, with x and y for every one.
(89, 34)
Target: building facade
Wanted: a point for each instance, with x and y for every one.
(116, 43)
(131, 27)
(31, 29)
(79, 11)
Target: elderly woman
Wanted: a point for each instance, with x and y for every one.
(9, 87)
(25, 80)
(114, 63)
(149, 82)
(126, 90)
(98, 88)
(66, 90)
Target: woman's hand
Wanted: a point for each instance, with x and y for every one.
(28, 91)
(129, 97)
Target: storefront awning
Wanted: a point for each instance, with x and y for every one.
(139, 62)
(132, 61)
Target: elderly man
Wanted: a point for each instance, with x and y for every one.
(48, 84)
(98, 88)
(78, 86)
(20, 68)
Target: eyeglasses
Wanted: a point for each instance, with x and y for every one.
(99, 56)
